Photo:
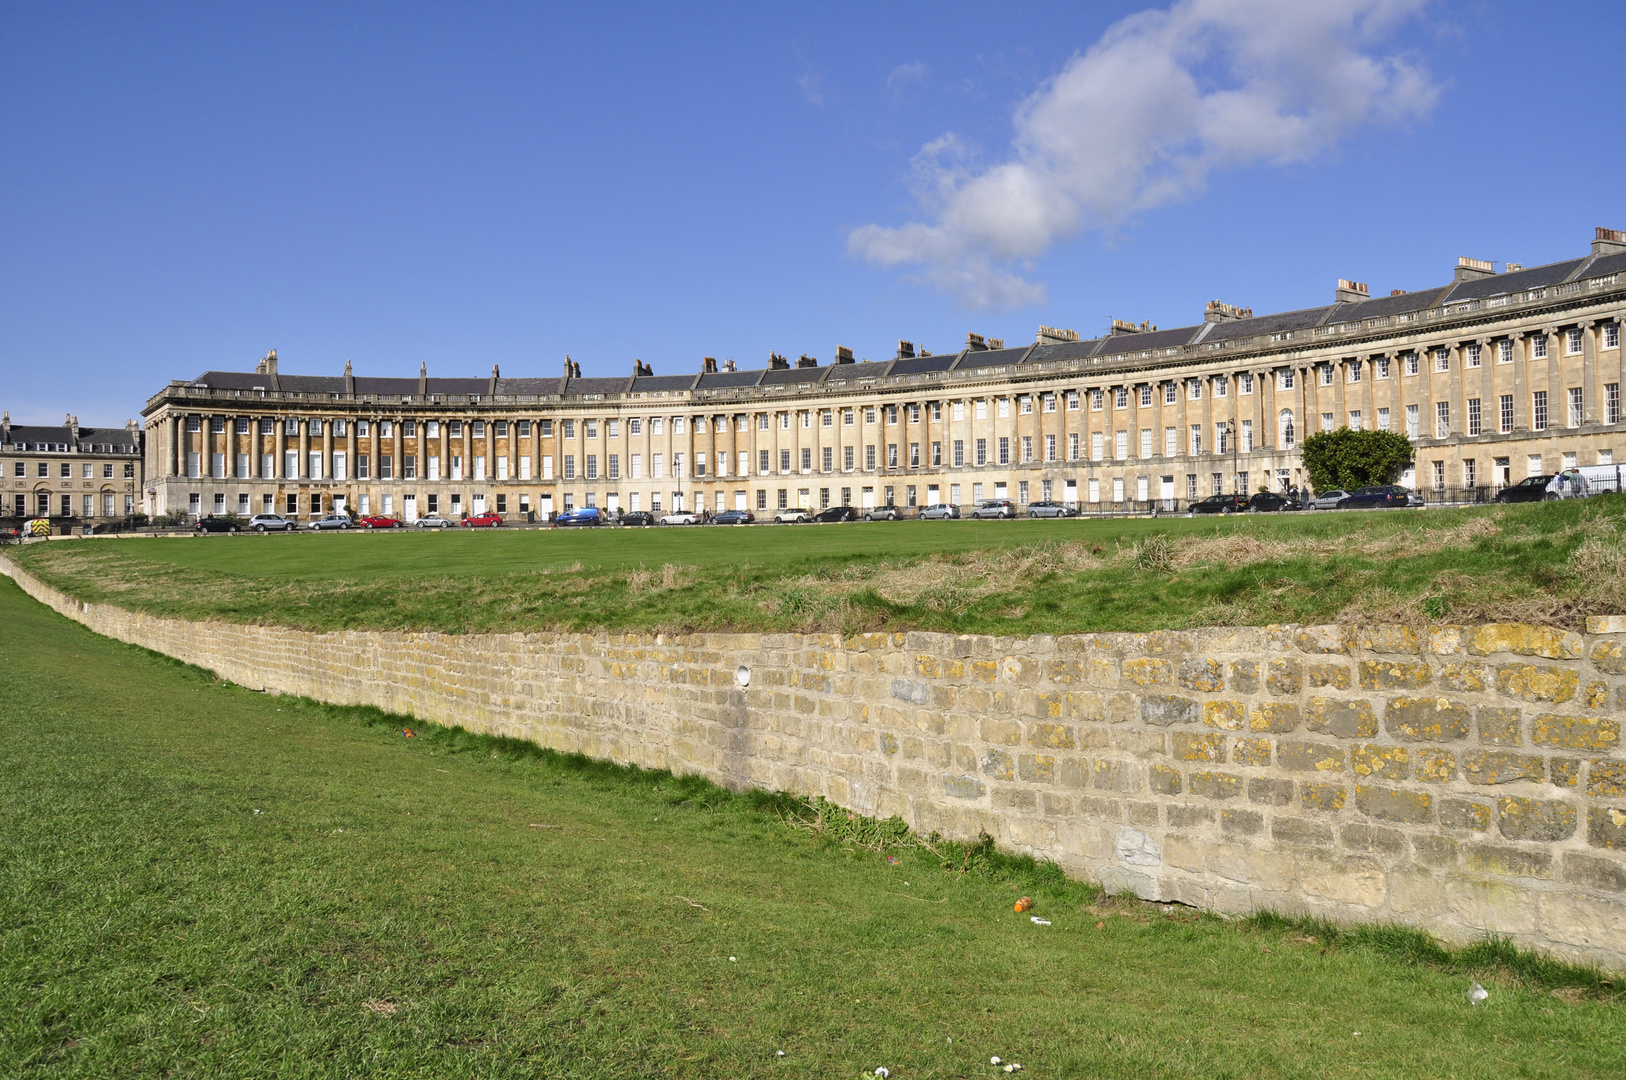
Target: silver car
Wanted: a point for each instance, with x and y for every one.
(1327, 500)
(332, 521)
(432, 521)
(271, 523)
(938, 512)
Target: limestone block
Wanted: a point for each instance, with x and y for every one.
(1309, 757)
(1304, 831)
(1395, 674)
(1388, 638)
(1591, 872)
(1225, 715)
(1164, 780)
(1274, 716)
(1350, 883)
(997, 764)
(1511, 861)
(1214, 785)
(1496, 907)
(1251, 752)
(1285, 677)
(1198, 746)
(1375, 839)
(1245, 676)
(1525, 641)
(1325, 639)
(1582, 921)
(1190, 816)
(1575, 732)
(1394, 804)
(1537, 682)
(1606, 778)
(1498, 725)
(1606, 624)
(1051, 736)
(1383, 762)
(1241, 822)
(1164, 710)
(1341, 719)
(1148, 671)
(1546, 820)
(1318, 796)
(1333, 675)
(1430, 719)
(1269, 792)
(1609, 656)
(1206, 676)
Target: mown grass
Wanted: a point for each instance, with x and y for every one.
(1552, 563)
(198, 880)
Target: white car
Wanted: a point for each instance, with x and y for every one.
(792, 516)
(1327, 500)
(433, 521)
(680, 517)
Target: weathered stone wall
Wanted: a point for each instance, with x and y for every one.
(1466, 780)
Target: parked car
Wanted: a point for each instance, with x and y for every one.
(1530, 489)
(212, 524)
(332, 521)
(272, 523)
(487, 520)
(792, 516)
(681, 517)
(1219, 504)
(582, 515)
(733, 517)
(381, 521)
(1047, 508)
(1327, 500)
(432, 521)
(1270, 502)
(883, 513)
(837, 513)
(1381, 496)
(995, 508)
(938, 512)
(638, 518)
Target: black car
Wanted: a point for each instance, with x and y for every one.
(835, 513)
(1530, 489)
(733, 517)
(1219, 504)
(637, 517)
(1268, 502)
(1380, 497)
(213, 524)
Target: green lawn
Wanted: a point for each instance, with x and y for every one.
(197, 880)
(1550, 563)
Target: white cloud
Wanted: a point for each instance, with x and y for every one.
(906, 73)
(1164, 99)
(810, 85)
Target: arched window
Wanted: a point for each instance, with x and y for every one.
(1285, 425)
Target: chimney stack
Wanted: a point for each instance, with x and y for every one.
(777, 362)
(1051, 335)
(1473, 269)
(807, 361)
(1351, 292)
(906, 350)
(423, 378)
(708, 365)
(975, 343)
(349, 380)
(729, 365)
(1217, 312)
(1609, 241)
(844, 355)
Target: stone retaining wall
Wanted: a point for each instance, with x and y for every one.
(1464, 780)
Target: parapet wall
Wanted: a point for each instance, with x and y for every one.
(1463, 780)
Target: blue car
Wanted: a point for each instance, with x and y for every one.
(584, 515)
(733, 517)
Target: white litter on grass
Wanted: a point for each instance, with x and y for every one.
(256, 811)
(1477, 993)
(1038, 921)
(778, 1053)
(883, 1072)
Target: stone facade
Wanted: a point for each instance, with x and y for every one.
(1494, 377)
(1463, 779)
(82, 475)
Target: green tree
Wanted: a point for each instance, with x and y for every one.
(1350, 459)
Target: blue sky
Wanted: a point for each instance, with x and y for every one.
(185, 187)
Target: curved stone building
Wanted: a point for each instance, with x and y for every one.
(1494, 377)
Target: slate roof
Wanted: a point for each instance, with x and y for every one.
(1534, 278)
(1282, 322)
(1066, 350)
(55, 435)
(922, 365)
(791, 376)
(721, 380)
(646, 383)
(989, 358)
(1155, 339)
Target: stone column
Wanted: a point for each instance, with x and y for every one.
(175, 427)
(1590, 410)
(304, 462)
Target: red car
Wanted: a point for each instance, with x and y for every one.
(382, 521)
(482, 521)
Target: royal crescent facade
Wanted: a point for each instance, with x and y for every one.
(1493, 376)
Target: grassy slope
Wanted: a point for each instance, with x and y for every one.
(151, 923)
(1551, 563)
